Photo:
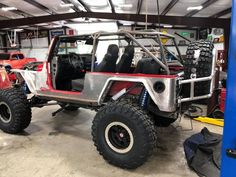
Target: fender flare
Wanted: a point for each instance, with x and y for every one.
(147, 84)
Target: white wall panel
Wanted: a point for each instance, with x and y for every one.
(40, 54)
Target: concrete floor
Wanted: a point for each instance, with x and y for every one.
(61, 146)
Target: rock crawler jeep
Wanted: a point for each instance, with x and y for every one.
(131, 96)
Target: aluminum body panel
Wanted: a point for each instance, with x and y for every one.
(96, 86)
(36, 80)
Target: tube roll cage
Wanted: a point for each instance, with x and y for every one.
(131, 35)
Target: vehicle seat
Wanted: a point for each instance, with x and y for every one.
(69, 67)
(108, 63)
(124, 65)
(148, 66)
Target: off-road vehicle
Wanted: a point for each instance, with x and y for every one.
(133, 92)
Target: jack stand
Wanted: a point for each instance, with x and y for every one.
(57, 111)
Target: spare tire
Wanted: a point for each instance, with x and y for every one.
(199, 57)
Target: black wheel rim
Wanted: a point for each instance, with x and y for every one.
(5, 113)
(119, 137)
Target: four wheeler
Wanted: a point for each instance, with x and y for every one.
(130, 100)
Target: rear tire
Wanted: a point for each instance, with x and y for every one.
(124, 134)
(15, 111)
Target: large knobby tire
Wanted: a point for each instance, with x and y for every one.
(124, 134)
(202, 65)
(15, 111)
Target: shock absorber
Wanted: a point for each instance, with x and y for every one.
(25, 88)
(144, 99)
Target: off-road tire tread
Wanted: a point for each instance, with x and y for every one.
(203, 65)
(21, 111)
(137, 115)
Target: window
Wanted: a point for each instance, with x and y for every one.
(78, 47)
(4, 56)
(18, 56)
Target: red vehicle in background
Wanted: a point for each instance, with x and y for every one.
(14, 60)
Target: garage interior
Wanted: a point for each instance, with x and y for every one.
(58, 142)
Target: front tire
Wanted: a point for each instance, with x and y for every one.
(124, 134)
(15, 112)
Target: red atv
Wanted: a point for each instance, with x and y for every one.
(131, 99)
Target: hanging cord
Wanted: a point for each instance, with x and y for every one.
(158, 17)
(146, 16)
(37, 36)
(12, 38)
(9, 38)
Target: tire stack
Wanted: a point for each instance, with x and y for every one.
(201, 65)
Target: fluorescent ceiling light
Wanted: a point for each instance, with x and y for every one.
(8, 8)
(62, 4)
(71, 10)
(42, 24)
(18, 30)
(194, 8)
(167, 26)
(95, 3)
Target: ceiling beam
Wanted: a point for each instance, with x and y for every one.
(169, 7)
(204, 5)
(222, 13)
(84, 5)
(5, 18)
(174, 20)
(40, 6)
(112, 6)
(155, 26)
(18, 12)
(139, 6)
